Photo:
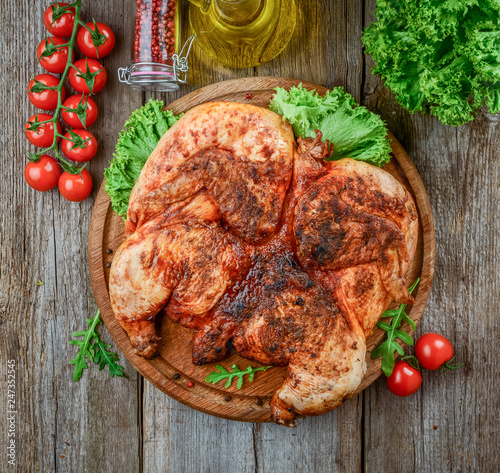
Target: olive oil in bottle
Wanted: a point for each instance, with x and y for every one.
(242, 33)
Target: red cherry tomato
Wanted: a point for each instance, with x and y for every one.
(47, 99)
(433, 350)
(56, 62)
(404, 380)
(77, 102)
(57, 21)
(85, 70)
(43, 175)
(98, 43)
(75, 188)
(43, 136)
(87, 150)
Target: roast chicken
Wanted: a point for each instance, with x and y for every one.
(242, 233)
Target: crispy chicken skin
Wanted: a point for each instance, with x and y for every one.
(242, 154)
(238, 234)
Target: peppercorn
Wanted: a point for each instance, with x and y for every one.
(177, 376)
(155, 31)
(190, 384)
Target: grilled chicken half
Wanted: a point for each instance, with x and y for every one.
(235, 231)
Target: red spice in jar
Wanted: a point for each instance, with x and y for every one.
(155, 31)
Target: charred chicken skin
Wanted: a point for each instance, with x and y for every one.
(236, 231)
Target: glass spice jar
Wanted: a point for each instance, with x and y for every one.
(157, 62)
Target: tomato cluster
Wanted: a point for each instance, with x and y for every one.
(432, 351)
(86, 76)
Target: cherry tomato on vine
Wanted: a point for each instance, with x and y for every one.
(58, 20)
(404, 380)
(433, 350)
(85, 73)
(44, 174)
(74, 187)
(81, 104)
(56, 61)
(41, 135)
(98, 42)
(46, 99)
(79, 145)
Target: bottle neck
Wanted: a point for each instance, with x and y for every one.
(238, 12)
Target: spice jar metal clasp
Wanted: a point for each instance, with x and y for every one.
(148, 75)
(158, 62)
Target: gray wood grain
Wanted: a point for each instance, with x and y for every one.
(62, 426)
(460, 169)
(103, 424)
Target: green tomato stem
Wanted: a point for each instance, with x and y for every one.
(70, 45)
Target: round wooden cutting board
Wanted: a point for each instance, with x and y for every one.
(251, 402)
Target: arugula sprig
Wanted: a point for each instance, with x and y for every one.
(91, 347)
(388, 347)
(216, 376)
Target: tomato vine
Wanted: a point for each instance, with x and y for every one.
(75, 9)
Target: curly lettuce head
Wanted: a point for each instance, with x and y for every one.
(136, 142)
(354, 131)
(439, 56)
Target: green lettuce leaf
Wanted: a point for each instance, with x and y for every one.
(441, 57)
(136, 142)
(354, 131)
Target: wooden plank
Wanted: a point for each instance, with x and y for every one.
(325, 49)
(177, 438)
(459, 167)
(312, 55)
(91, 425)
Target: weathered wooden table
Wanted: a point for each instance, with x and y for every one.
(126, 425)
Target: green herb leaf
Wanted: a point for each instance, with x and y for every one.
(92, 348)
(39, 282)
(142, 132)
(85, 347)
(354, 131)
(387, 348)
(216, 376)
(107, 358)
